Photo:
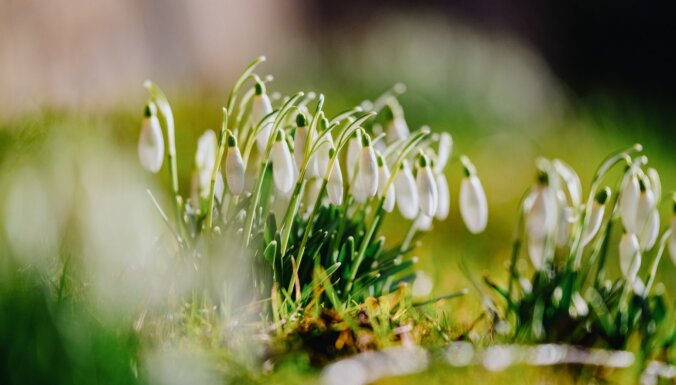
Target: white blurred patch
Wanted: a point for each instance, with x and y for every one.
(168, 365)
(422, 285)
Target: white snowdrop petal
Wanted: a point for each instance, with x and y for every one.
(595, 219)
(655, 183)
(260, 108)
(630, 256)
(219, 187)
(335, 185)
(572, 181)
(282, 166)
(299, 144)
(367, 174)
(397, 129)
(445, 151)
(422, 285)
(536, 252)
(406, 192)
(322, 155)
(383, 177)
(542, 216)
(444, 201)
(428, 195)
(151, 144)
(205, 157)
(650, 230)
(644, 208)
(629, 197)
(423, 222)
(234, 170)
(352, 156)
(473, 205)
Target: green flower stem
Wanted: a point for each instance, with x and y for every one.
(656, 262)
(287, 107)
(230, 105)
(216, 169)
(165, 109)
(516, 246)
(575, 256)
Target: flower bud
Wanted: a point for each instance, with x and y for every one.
(300, 139)
(322, 154)
(445, 151)
(335, 183)
(282, 166)
(571, 180)
(367, 175)
(629, 196)
(234, 166)
(353, 151)
(260, 108)
(473, 205)
(383, 177)
(644, 208)
(406, 192)
(630, 256)
(151, 141)
(428, 196)
(205, 158)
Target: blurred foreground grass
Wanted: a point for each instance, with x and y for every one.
(51, 332)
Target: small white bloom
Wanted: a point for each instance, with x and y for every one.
(644, 208)
(151, 141)
(282, 166)
(301, 138)
(579, 307)
(649, 232)
(353, 151)
(444, 203)
(445, 151)
(565, 218)
(571, 180)
(397, 128)
(473, 205)
(655, 183)
(260, 108)
(428, 196)
(422, 285)
(630, 256)
(595, 216)
(541, 217)
(205, 158)
(234, 167)
(367, 175)
(383, 177)
(335, 183)
(406, 192)
(629, 197)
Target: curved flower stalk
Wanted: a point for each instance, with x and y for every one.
(406, 192)
(151, 140)
(473, 204)
(571, 180)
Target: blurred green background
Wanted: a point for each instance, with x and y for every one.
(505, 80)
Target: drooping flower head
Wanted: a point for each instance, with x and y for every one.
(282, 164)
(234, 166)
(427, 187)
(260, 108)
(151, 140)
(473, 204)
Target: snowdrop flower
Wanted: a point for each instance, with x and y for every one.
(565, 218)
(300, 139)
(541, 219)
(422, 285)
(596, 216)
(282, 166)
(335, 182)
(630, 256)
(444, 152)
(219, 187)
(151, 141)
(644, 208)
(428, 196)
(406, 192)
(383, 177)
(629, 197)
(260, 108)
(205, 158)
(353, 151)
(571, 180)
(444, 202)
(234, 167)
(396, 127)
(473, 205)
(367, 175)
